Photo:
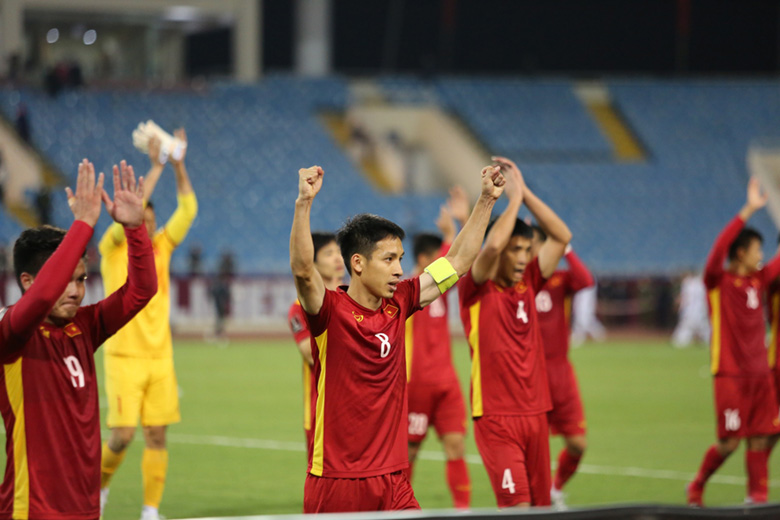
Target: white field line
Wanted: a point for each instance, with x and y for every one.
(590, 469)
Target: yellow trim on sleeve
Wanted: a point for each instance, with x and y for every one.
(318, 453)
(180, 222)
(775, 306)
(13, 385)
(714, 297)
(306, 396)
(443, 274)
(476, 367)
(409, 341)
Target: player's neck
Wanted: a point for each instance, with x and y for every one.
(332, 283)
(56, 322)
(363, 296)
(739, 269)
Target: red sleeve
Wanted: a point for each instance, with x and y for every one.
(533, 275)
(579, 276)
(771, 271)
(714, 268)
(408, 295)
(50, 282)
(141, 285)
(319, 322)
(467, 289)
(297, 322)
(445, 248)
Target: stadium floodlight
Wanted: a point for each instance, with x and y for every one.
(170, 146)
(763, 160)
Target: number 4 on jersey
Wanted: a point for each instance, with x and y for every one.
(507, 482)
(521, 314)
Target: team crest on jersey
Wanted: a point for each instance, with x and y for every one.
(72, 330)
(521, 287)
(45, 332)
(738, 282)
(358, 317)
(555, 281)
(391, 310)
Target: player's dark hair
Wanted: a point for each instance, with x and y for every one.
(539, 232)
(521, 229)
(361, 233)
(743, 240)
(320, 240)
(150, 205)
(426, 244)
(33, 247)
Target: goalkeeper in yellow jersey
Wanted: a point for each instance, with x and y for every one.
(140, 380)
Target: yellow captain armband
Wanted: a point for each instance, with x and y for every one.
(443, 274)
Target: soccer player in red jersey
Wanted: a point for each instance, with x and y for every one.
(330, 265)
(553, 306)
(510, 396)
(360, 440)
(47, 341)
(435, 398)
(745, 402)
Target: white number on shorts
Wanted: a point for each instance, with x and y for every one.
(543, 302)
(384, 345)
(507, 482)
(521, 314)
(418, 423)
(76, 373)
(752, 298)
(733, 422)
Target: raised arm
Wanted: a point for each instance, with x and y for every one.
(558, 233)
(308, 282)
(127, 210)
(52, 279)
(443, 273)
(579, 275)
(115, 235)
(501, 231)
(714, 268)
(187, 208)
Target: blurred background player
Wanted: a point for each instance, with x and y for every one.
(47, 344)
(435, 397)
(693, 321)
(745, 402)
(330, 265)
(567, 417)
(140, 378)
(510, 396)
(586, 323)
(360, 446)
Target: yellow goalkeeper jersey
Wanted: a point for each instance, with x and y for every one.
(148, 335)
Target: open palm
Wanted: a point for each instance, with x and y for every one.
(127, 207)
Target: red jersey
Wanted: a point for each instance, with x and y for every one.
(773, 308)
(553, 305)
(360, 427)
(737, 346)
(300, 332)
(428, 345)
(50, 402)
(508, 371)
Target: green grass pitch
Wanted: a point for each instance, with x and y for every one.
(239, 447)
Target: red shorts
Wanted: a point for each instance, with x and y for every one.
(439, 405)
(516, 452)
(567, 416)
(746, 406)
(391, 492)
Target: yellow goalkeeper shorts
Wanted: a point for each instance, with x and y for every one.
(142, 389)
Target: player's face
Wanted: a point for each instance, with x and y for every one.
(150, 221)
(753, 256)
(382, 271)
(513, 260)
(329, 262)
(70, 301)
